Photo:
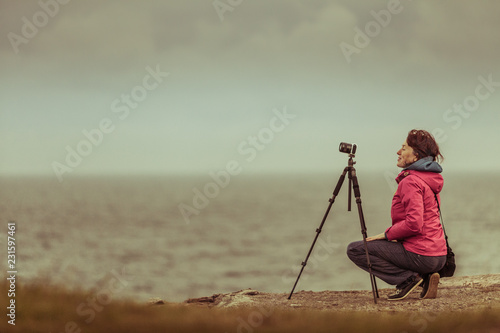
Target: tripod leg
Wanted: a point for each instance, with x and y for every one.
(318, 231)
(357, 195)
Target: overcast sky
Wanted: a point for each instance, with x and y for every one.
(188, 86)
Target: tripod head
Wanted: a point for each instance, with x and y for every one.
(349, 148)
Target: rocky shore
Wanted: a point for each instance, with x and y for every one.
(463, 293)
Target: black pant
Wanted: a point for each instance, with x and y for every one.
(391, 262)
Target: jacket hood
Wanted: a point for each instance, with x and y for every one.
(426, 164)
(427, 170)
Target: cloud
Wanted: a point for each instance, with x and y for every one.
(227, 76)
(435, 34)
(112, 39)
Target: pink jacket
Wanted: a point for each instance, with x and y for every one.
(415, 215)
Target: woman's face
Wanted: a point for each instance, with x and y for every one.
(406, 156)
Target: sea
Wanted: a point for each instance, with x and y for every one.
(176, 237)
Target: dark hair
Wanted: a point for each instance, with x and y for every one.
(424, 144)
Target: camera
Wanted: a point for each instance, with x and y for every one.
(348, 148)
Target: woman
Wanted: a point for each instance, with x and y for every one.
(413, 249)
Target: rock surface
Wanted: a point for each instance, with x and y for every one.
(454, 294)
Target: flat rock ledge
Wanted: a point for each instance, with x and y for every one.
(464, 293)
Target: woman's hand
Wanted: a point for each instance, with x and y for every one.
(376, 237)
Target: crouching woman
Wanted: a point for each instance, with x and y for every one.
(410, 252)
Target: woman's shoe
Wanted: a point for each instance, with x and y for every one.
(404, 291)
(430, 287)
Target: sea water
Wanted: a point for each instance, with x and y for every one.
(250, 232)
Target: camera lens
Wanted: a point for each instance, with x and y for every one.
(347, 148)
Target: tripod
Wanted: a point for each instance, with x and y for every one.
(353, 183)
